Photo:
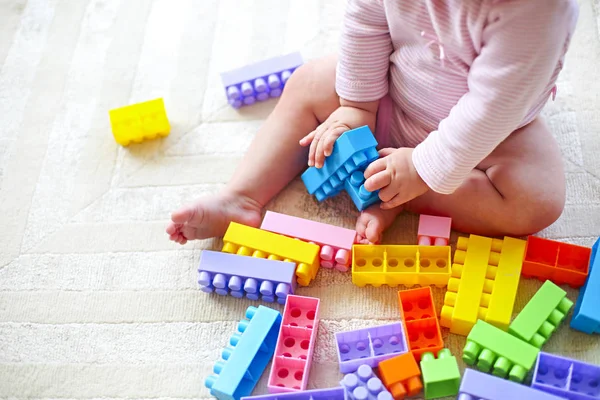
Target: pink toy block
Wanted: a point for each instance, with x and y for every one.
(295, 345)
(336, 242)
(434, 230)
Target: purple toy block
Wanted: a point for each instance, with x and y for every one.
(259, 81)
(565, 377)
(364, 385)
(317, 394)
(252, 277)
(369, 346)
(477, 385)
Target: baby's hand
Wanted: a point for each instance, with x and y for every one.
(395, 174)
(343, 119)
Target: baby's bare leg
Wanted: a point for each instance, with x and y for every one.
(517, 190)
(272, 161)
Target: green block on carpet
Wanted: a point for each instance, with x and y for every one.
(441, 376)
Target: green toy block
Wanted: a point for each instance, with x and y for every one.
(441, 377)
(493, 349)
(542, 315)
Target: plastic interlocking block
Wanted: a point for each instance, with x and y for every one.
(337, 393)
(441, 376)
(239, 276)
(259, 81)
(484, 282)
(434, 230)
(248, 241)
(355, 187)
(542, 315)
(369, 345)
(492, 349)
(139, 122)
(478, 386)
(364, 385)
(336, 242)
(565, 377)
(351, 151)
(251, 349)
(586, 315)
(401, 376)
(395, 265)
(295, 346)
(559, 262)
(417, 310)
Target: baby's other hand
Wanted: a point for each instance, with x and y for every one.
(395, 176)
(322, 139)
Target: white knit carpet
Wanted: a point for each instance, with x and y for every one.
(95, 302)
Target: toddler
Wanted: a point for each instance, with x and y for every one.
(452, 89)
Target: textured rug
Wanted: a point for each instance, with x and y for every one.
(95, 302)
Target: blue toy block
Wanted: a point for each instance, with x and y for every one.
(476, 385)
(251, 350)
(316, 394)
(355, 187)
(354, 149)
(370, 346)
(586, 314)
(567, 378)
(364, 385)
(259, 81)
(239, 276)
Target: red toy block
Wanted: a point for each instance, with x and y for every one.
(420, 321)
(434, 230)
(558, 262)
(401, 376)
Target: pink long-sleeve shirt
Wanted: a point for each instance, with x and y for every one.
(462, 75)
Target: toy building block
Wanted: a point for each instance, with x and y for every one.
(484, 282)
(336, 242)
(542, 315)
(139, 122)
(477, 386)
(355, 188)
(259, 81)
(493, 349)
(567, 378)
(369, 346)
(352, 150)
(244, 362)
(401, 376)
(239, 276)
(364, 385)
(422, 327)
(586, 315)
(247, 241)
(441, 376)
(337, 393)
(400, 265)
(556, 261)
(434, 230)
(295, 346)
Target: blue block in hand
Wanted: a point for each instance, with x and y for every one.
(354, 149)
(242, 364)
(355, 186)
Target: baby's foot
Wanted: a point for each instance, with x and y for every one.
(210, 216)
(373, 221)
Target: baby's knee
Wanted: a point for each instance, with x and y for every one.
(535, 212)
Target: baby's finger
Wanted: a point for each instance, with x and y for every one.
(306, 140)
(396, 201)
(388, 193)
(386, 152)
(378, 181)
(320, 152)
(334, 134)
(376, 166)
(313, 145)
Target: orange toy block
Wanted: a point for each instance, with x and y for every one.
(420, 319)
(558, 262)
(401, 376)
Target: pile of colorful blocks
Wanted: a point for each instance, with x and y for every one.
(405, 358)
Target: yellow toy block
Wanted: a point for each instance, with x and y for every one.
(485, 277)
(247, 241)
(137, 122)
(400, 265)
